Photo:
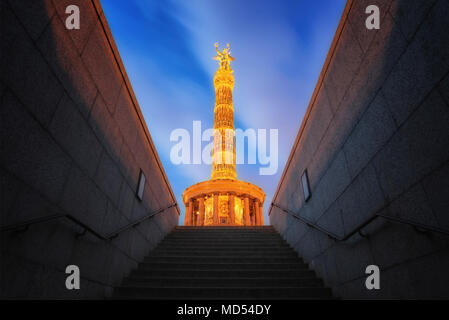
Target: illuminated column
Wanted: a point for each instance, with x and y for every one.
(232, 208)
(246, 211)
(215, 208)
(261, 214)
(201, 210)
(188, 216)
(257, 212)
(193, 214)
(223, 153)
(253, 216)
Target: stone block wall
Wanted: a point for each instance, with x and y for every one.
(375, 140)
(74, 142)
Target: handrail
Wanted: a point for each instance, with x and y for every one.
(335, 237)
(25, 225)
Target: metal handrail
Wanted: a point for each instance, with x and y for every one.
(358, 229)
(23, 226)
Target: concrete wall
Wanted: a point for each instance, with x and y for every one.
(73, 141)
(375, 139)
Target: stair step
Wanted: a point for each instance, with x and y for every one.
(227, 228)
(225, 236)
(224, 233)
(222, 246)
(221, 282)
(224, 293)
(223, 263)
(229, 266)
(224, 253)
(223, 273)
(181, 260)
(169, 248)
(232, 241)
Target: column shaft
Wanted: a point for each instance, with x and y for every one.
(261, 214)
(201, 209)
(188, 216)
(193, 214)
(194, 217)
(246, 217)
(256, 212)
(216, 209)
(232, 209)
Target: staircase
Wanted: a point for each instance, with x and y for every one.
(223, 263)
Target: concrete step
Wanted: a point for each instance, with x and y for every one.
(206, 248)
(181, 260)
(219, 246)
(222, 273)
(225, 232)
(224, 253)
(230, 242)
(143, 281)
(224, 236)
(223, 263)
(225, 228)
(223, 293)
(229, 266)
(275, 241)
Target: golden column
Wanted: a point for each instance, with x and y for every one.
(215, 210)
(261, 214)
(231, 209)
(223, 200)
(223, 154)
(246, 211)
(201, 211)
(188, 216)
(256, 213)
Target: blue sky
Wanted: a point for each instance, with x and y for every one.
(167, 48)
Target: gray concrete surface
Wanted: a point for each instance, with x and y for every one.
(74, 142)
(375, 139)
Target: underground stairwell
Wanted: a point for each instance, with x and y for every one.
(222, 263)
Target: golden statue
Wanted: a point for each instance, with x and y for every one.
(224, 57)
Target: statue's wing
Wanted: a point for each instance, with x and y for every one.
(217, 58)
(231, 58)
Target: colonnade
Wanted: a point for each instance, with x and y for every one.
(252, 217)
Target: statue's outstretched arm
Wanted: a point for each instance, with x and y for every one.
(218, 51)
